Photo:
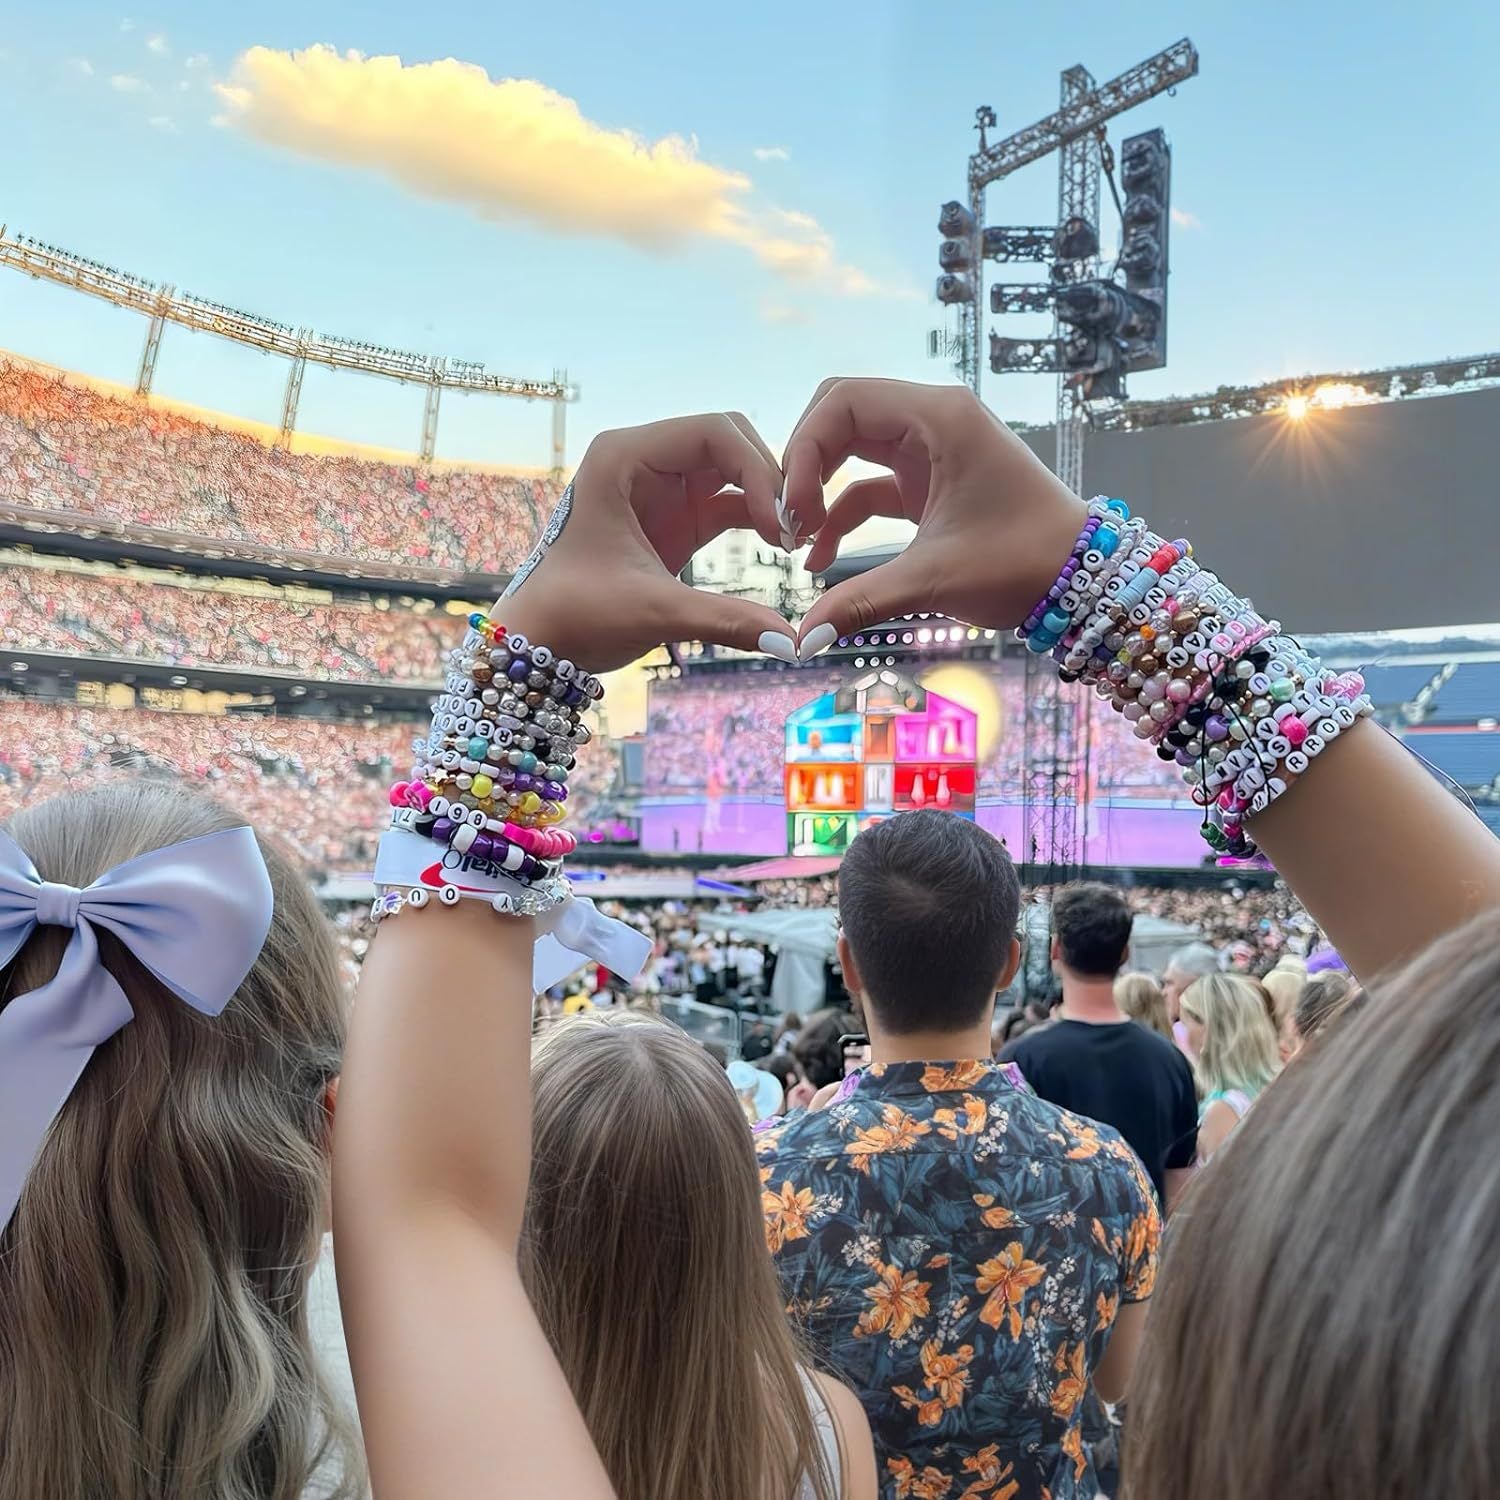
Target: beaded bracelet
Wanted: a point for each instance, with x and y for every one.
(1217, 688)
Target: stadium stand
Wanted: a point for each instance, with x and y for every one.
(1392, 684)
(1471, 758)
(70, 450)
(1472, 693)
(191, 621)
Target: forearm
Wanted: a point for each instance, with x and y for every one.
(1383, 858)
(1271, 744)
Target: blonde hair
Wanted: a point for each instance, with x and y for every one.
(1140, 997)
(153, 1314)
(1239, 1044)
(1285, 983)
(644, 1254)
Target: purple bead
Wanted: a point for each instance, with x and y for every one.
(483, 846)
(575, 696)
(554, 791)
(1215, 727)
(1184, 758)
(524, 782)
(518, 670)
(442, 830)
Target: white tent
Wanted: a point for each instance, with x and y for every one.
(804, 938)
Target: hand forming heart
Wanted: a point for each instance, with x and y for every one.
(993, 523)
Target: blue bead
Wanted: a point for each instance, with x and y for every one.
(476, 620)
(477, 747)
(1119, 507)
(1106, 539)
(1055, 622)
(1040, 642)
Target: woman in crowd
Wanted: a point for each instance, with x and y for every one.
(461, 1391)
(1358, 1179)
(1324, 1000)
(643, 1248)
(1140, 997)
(817, 1052)
(169, 1205)
(1231, 1038)
(1284, 984)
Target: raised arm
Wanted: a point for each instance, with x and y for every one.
(458, 1390)
(1380, 855)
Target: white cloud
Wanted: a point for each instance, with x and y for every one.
(783, 313)
(771, 153)
(127, 24)
(514, 149)
(128, 83)
(158, 44)
(1184, 220)
(81, 65)
(163, 122)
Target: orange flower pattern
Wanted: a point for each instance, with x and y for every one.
(958, 1250)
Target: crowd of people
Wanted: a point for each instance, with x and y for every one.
(201, 623)
(303, 780)
(724, 736)
(74, 451)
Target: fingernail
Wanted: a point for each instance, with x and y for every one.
(818, 639)
(788, 530)
(778, 644)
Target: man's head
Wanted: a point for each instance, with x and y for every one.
(1090, 930)
(928, 903)
(1187, 964)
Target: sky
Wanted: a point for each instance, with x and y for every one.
(700, 207)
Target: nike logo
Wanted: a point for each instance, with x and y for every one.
(433, 876)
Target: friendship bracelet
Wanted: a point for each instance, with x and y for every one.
(1214, 686)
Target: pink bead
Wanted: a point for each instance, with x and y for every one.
(398, 795)
(1294, 729)
(420, 794)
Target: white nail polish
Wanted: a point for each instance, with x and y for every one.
(818, 639)
(778, 644)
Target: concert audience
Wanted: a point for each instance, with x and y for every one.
(313, 784)
(70, 450)
(197, 623)
(1233, 1043)
(917, 1222)
(1094, 1059)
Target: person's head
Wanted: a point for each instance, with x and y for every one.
(1187, 964)
(153, 1314)
(1359, 1184)
(1090, 930)
(817, 1051)
(782, 1068)
(1325, 999)
(1284, 983)
(1140, 997)
(644, 1254)
(928, 902)
(1229, 1034)
(789, 1025)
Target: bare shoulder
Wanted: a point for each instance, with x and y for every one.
(855, 1443)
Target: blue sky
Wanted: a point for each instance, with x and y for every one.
(1336, 162)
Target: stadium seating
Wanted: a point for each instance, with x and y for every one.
(210, 623)
(70, 450)
(1470, 694)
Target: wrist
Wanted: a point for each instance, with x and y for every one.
(545, 621)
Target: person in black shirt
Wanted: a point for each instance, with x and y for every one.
(1094, 1060)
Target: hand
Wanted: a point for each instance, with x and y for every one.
(645, 499)
(994, 524)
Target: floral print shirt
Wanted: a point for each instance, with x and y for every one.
(956, 1249)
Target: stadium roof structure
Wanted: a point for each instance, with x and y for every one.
(1336, 519)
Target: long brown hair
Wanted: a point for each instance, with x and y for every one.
(1324, 1323)
(645, 1256)
(153, 1316)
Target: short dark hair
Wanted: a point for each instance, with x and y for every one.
(1092, 926)
(929, 902)
(817, 1051)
